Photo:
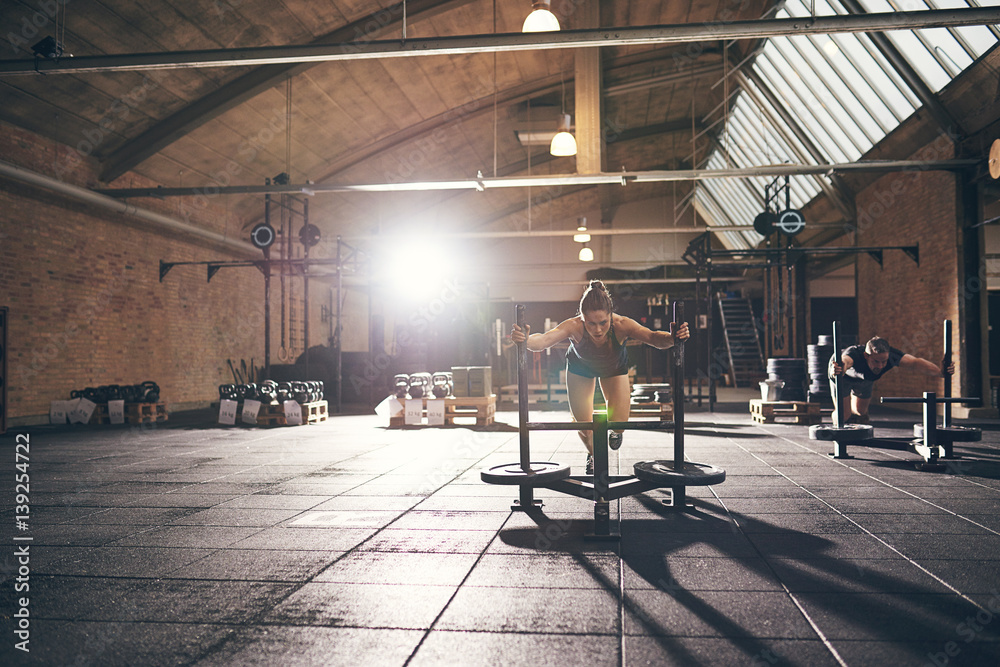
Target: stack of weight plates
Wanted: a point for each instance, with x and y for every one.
(819, 358)
(792, 371)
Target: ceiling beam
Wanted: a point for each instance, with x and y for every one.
(621, 36)
(230, 95)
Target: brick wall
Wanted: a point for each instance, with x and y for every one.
(86, 304)
(903, 302)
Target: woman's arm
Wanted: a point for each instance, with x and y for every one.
(661, 340)
(540, 341)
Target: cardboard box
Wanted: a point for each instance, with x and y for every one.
(480, 380)
(460, 380)
(472, 381)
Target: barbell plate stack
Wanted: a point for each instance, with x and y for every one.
(950, 433)
(666, 473)
(539, 473)
(846, 433)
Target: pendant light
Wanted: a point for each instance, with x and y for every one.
(541, 18)
(563, 144)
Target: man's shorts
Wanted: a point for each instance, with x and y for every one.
(860, 388)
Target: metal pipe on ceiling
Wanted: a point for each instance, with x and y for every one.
(163, 222)
(613, 178)
(465, 44)
(547, 233)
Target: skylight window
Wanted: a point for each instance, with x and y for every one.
(841, 92)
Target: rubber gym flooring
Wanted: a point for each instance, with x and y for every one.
(348, 543)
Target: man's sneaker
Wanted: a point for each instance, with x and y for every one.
(614, 440)
(590, 464)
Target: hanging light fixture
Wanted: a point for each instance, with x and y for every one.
(581, 236)
(586, 254)
(541, 18)
(564, 143)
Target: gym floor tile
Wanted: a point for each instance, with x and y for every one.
(553, 570)
(194, 500)
(684, 613)
(753, 506)
(258, 501)
(969, 576)
(256, 565)
(212, 537)
(874, 492)
(420, 569)
(136, 516)
(896, 506)
(897, 618)
(489, 503)
(305, 539)
(297, 646)
(362, 605)
(831, 545)
(535, 610)
(71, 642)
(672, 651)
(706, 545)
(361, 518)
(955, 652)
(152, 600)
(961, 546)
(66, 534)
(936, 524)
(855, 575)
(429, 541)
(419, 519)
(346, 503)
(125, 561)
(489, 649)
(813, 524)
(670, 573)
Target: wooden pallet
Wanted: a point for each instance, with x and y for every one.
(665, 410)
(788, 412)
(538, 395)
(145, 413)
(135, 413)
(482, 408)
(274, 414)
(100, 415)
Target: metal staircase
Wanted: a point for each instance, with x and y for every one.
(746, 358)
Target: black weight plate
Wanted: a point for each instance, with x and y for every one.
(763, 223)
(542, 472)
(846, 433)
(790, 222)
(309, 235)
(262, 235)
(950, 434)
(689, 474)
